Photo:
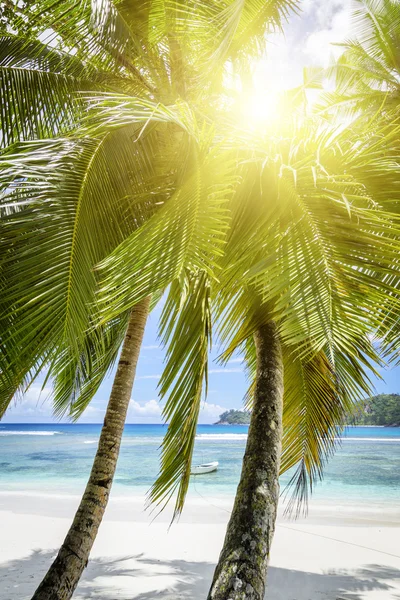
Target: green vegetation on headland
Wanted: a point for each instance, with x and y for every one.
(383, 409)
(234, 417)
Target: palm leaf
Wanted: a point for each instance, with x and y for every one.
(188, 232)
(186, 329)
(38, 87)
(317, 401)
(67, 205)
(76, 380)
(96, 29)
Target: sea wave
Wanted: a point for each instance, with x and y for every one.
(89, 441)
(221, 436)
(30, 432)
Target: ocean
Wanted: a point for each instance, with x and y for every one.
(56, 459)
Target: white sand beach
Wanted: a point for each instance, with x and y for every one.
(334, 554)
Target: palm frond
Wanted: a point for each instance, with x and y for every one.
(318, 398)
(188, 232)
(95, 31)
(107, 111)
(67, 204)
(38, 87)
(308, 225)
(367, 73)
(77, 379)
(186, 330)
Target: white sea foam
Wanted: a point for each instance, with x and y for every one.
(371, 439)
(243, 436)
(30, 432)
(221, 436)
(89, 441)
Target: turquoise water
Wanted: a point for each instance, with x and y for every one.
(57, 459)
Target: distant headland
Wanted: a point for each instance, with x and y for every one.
(383, 410)
(234, 417)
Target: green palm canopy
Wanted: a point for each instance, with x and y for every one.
(122, 174)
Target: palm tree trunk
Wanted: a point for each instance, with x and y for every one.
(242, 567)
(64, 574)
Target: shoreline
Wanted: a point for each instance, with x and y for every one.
(345, 549)
(199, 509)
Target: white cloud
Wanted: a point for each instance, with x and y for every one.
(151, 412)
(154, 347)
(36, 407)
(152, 409)
(209, 413)
(35, 403)
(149, 376)
(323, 12)
(334, 25)
(307, 40)
(93, 414)
(235, 360)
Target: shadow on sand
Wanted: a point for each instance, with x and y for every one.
(142, 578)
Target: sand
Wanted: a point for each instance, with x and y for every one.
(337, 553)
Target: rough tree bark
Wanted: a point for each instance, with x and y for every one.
(242, 568)
(64, 574)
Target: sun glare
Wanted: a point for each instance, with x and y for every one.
(263, 107)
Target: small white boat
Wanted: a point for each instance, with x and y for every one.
(204, 468)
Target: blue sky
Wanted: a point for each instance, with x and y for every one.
(227, 386)
(307, 41)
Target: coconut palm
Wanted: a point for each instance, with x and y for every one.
(310, 246)
(68, 202)
(295, 301)
(48, 297)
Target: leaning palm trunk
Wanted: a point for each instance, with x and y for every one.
(242, 567)
(64, 574)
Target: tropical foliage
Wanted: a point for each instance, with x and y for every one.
(298, 208)
(101, 131)
(295, 241)
(138, 135)
(126, 170)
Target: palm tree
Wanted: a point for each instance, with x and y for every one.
(53, 237)
(66, 570)
(74, 193)
(313, 247)
(310, 304)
